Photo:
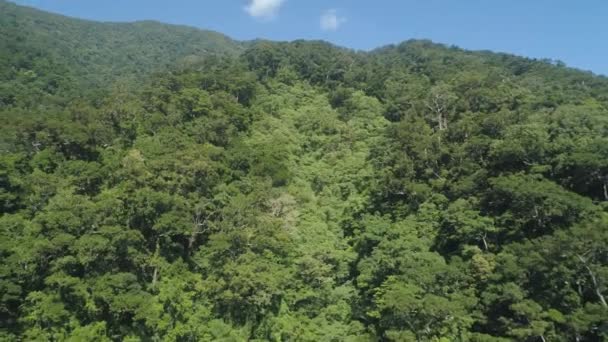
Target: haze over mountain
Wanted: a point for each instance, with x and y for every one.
(164, 183)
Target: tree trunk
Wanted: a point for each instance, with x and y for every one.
(155, 273)
(197, 223)
(154, 277)
(485, 243)
(596, 287)
(442, 120)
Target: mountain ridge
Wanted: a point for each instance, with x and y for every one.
(244, 43)
(98, 53)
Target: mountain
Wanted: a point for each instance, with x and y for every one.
(296, 191)
(55, 51)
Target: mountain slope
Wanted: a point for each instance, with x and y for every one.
(36, 44)
(303, 192)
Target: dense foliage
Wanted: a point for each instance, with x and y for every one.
(298, 192)
(45, 55)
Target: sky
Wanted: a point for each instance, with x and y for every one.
(572, 31)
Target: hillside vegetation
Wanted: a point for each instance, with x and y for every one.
(44, 54)
(294, 191)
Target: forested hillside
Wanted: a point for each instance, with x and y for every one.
(296, 191)
(43, 54)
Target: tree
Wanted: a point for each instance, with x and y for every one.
(440, 102)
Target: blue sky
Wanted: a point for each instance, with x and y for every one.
(573, 31)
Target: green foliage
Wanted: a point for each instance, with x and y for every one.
(161, 183)
(44, 55)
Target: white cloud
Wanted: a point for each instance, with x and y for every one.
(263, 9)
(330, 21)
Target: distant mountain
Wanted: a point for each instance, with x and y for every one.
(36, 44)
